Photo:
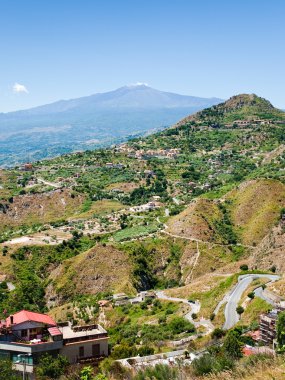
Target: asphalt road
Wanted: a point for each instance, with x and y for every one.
(231, 316)
(195, 308)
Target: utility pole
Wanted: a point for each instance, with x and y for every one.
(23, 361)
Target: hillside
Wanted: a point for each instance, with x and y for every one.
(246, 214)
(236, 112)
(31, 209)
(180, 210)
(255, 208)
(99, 270)
(197, 221)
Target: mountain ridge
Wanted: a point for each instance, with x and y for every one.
(90, 122)
(104, 99)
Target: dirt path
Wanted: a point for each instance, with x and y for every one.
(205, 242)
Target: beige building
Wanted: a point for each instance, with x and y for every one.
(26, 335)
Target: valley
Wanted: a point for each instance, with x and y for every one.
(192, 215)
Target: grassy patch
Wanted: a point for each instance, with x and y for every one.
(252, 312)
(99, 208)
(133, 232)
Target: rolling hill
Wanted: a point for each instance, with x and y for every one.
(190, 202)
(243, 107)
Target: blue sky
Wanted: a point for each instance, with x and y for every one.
(60, 49)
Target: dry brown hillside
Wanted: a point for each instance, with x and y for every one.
(38, 208)
(100, 269)
(270, 252)
(196, 221)
(255, 208)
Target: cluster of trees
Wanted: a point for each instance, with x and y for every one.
(127, 337)
(221, 357)
(224, 226)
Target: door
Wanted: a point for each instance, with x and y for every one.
(96, 350)
(81, 351)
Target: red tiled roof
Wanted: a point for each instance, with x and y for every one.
(25, 316)
(247, 351)
(54, 331)
(255, 335)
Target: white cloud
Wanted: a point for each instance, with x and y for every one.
(19, 88)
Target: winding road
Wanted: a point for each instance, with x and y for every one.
(232, 299)
(195, 308)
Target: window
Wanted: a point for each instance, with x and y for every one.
(81, 351)
(23, 357)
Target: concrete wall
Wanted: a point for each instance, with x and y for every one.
(71, 351)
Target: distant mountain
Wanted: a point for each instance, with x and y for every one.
(138, 96)
(243, 107)
(92, 121)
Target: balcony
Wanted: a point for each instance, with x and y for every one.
(30, 347)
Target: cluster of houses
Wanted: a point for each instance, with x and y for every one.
(122, 299)
(267, 325)
(255, 122)
(112, 165)
(27, 167)
(26, 335)
(266, 334)
(149, 153)
(150, 206)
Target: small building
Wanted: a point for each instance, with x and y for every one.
(267, 327)
(27, 167)
(104, 304)
(26, 335)
(147, 295)
(120, 299)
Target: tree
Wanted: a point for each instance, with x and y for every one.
(280, 330)
(251, 295)
(239, 310)
(6, 370)
(243, 267)
(50, 367)
(232, 346)
(218, 333)
(203, 365)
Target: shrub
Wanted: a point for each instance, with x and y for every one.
(217, 333)
(50, 367)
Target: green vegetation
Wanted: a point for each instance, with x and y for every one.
(280, 329)
(159, 372)
(6, 370)
(215, 184)
(148, 323)
(50, 367)
(134, 232)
